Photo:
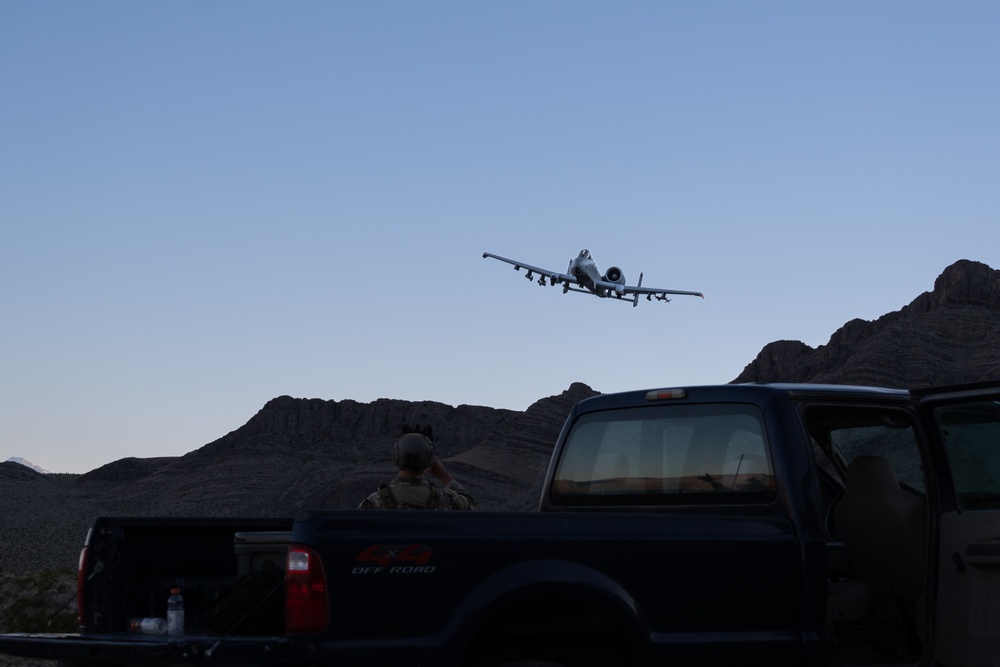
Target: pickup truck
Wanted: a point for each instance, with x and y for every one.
(754, 524)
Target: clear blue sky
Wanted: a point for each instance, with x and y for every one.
(204, 205)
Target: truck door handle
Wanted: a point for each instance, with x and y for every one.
(959, 563)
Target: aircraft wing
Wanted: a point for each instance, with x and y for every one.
(657, 292)
(554, 276)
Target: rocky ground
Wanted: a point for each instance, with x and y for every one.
(45, 519)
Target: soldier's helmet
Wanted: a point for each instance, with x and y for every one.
(413, 451)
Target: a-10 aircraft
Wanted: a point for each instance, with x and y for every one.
(583, 272)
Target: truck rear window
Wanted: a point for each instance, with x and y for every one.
(666, 455)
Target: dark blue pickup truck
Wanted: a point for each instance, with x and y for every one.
(734, 524)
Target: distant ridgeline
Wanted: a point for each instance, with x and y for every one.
(27, 464)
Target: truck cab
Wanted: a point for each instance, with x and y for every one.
(893, 498)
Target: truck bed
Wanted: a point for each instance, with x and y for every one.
(132, 563)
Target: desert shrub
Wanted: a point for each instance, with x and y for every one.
(41, 601)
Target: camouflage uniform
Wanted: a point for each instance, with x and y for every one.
(418, 493)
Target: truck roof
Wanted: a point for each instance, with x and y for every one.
(756, 392)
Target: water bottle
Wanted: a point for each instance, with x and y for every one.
(148, 626)
(175, 612)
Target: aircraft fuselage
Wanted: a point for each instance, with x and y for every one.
(584, 269)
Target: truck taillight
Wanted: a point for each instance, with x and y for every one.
(306, 608)
(81, 582)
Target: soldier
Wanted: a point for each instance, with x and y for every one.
(414, 454)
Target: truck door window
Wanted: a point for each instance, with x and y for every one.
(677, 454)
(846, 433)
(971, 434)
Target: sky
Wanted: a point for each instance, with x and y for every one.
(208, 204)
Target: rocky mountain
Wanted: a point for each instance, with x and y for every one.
(950, 335)
(297, 452)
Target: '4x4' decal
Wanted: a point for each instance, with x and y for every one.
(386, 554)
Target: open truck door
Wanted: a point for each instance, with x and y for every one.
(965, 423)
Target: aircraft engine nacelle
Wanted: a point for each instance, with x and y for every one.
(614, 275)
